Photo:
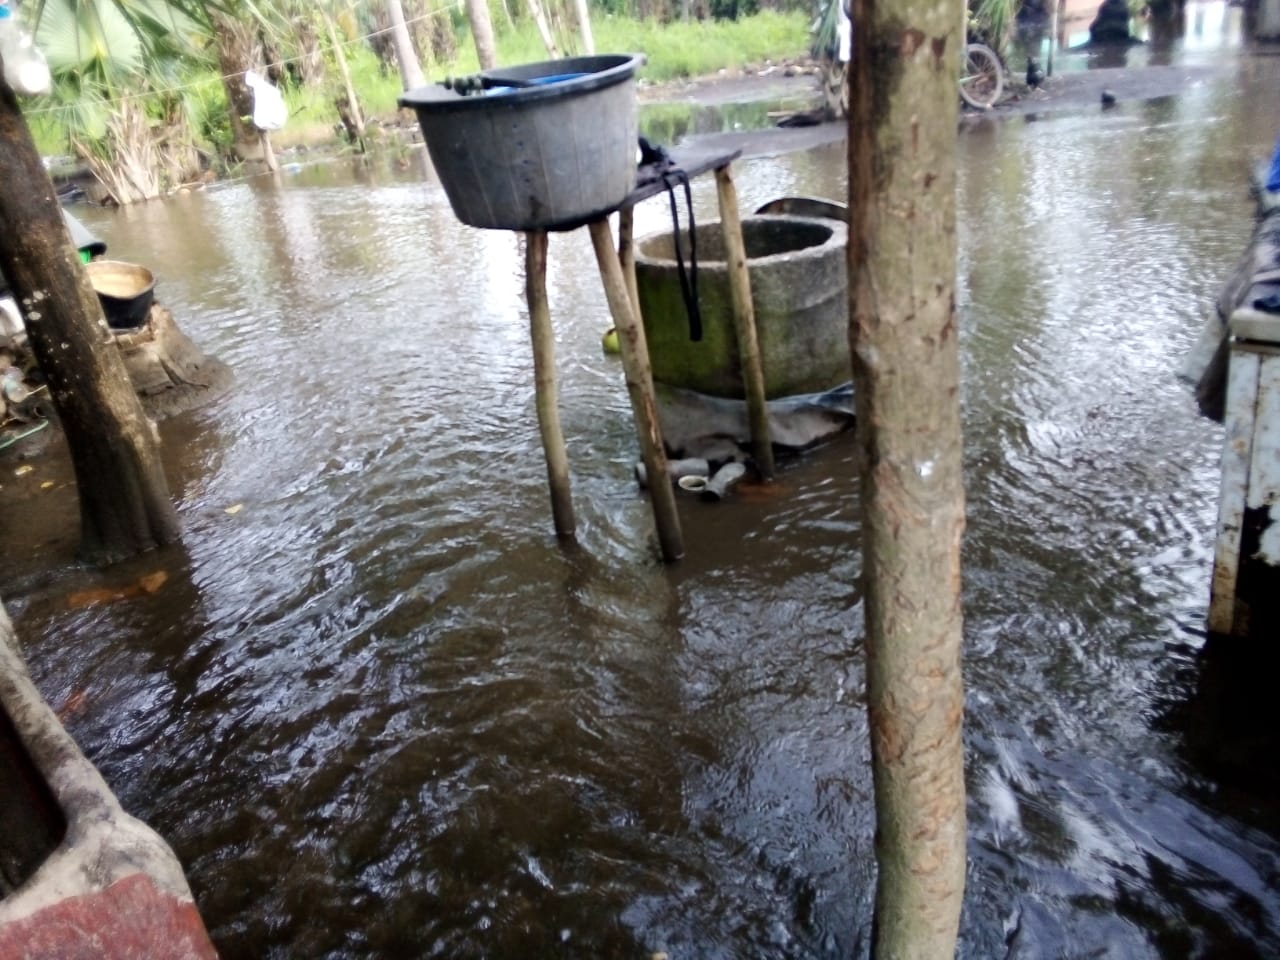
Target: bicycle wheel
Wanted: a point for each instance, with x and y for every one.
(983, 79)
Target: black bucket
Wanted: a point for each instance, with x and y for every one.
(544, 146)
(125, 290)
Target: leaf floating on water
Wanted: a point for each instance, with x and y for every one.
(153, 581)
(147, 584)
(760, 491)
(88, 598)
(23, 470)
(234, 510)
(75, 705)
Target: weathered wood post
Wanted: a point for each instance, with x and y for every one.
(544, 378)
(744, 322)
(639, 374)
(627, 254)
(903, 338)
(1246, 567)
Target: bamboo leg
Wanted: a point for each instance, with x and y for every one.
(544, 377)
(744, 322)
(627, 255)
(635, 362)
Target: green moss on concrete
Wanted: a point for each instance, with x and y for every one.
(799, 289)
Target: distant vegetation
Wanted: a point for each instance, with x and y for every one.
(150, 94)
(672, 51)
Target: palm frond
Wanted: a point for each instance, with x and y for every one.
(93, 39)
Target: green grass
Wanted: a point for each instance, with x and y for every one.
(699, 48)
(679, 49)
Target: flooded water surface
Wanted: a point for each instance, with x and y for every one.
(380, 712)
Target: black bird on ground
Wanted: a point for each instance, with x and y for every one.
(1035, 76)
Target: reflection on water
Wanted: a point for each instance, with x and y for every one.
(379, 712)
(1163, 34)
(669, 123)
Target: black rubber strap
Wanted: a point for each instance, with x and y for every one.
(689, 279)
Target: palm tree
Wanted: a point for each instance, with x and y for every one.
(410, 70)
(118, 67)
(482, 33)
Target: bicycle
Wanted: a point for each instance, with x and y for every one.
(981, 77)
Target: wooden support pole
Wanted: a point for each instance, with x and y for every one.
(544, 377)
(635, 363)
(744, 322)
(627, 255)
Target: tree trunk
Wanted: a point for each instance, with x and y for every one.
(432, 31)
(124, 500)
(584, 25)
(902, 268)
(544, 28)
(482, 33)
(237, 47)
(347, 102)
(410, 70)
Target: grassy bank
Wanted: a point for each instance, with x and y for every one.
(673, 51)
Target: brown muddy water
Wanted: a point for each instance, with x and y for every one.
(380, 712)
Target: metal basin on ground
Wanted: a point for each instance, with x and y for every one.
(547, 145)
(125, 290)
(798, 289)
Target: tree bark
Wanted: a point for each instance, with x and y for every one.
(902, 256)
(410, 70)
(237, 47)
(544, 28)
(124, 500)
(584, 25)
(348, 103)
(482, 33)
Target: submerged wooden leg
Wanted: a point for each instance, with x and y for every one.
(744, 322)
(635, 362)
(544, 378)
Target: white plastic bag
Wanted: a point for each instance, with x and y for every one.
(25, 69)
(269, 110)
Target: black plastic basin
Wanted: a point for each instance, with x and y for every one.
(125, 290)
